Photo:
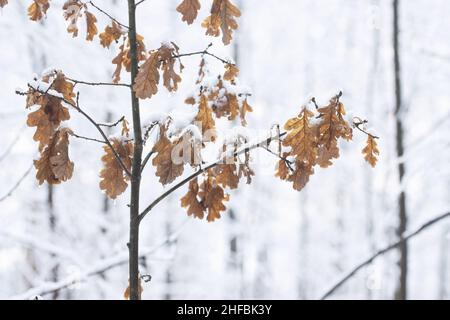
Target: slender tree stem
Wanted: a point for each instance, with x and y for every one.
(133, 244)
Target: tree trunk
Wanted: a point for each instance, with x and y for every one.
(133, 245)
(400, 293)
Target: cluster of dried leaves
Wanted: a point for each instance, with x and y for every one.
(54, 165)
(312, 139)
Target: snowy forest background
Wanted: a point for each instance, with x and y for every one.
(272, 242)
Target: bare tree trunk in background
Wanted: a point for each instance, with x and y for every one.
(401, 291)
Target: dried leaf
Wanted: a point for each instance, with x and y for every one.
(72, 12)
(300, 176)
(212, 196)
(113, 177)
(301, 137)
(111, 33)
(243, 112)
(231, 72)
(118, 61)
(146, 83)
(54, 164)
(205, 121)
(166, 169)
(47, 119)
(38, 9)
(189, 9)
(3, 3)
(170, 77)
(227, 175)
(371, 151)
(92, 30)
(223, 14)
(191, 201)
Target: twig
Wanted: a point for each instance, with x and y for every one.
(383, 251)
(138, 3)
(357, 125)
(87, 138)
(110, 125)
(108, 15)
(200, 171)
(147, 157)
(203, 52)
(98, 83)
(288, 162)
(17, 184)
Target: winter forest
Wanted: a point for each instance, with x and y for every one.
(224, 149)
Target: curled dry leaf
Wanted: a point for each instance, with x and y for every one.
(371, 151)
(3, 3)
(189, 9)
(38, 9)
(223, 14)
(114, 181)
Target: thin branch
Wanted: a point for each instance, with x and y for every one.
(203, 52)
(86, 138)
(382, 252)
(288, 162)
(110, 125)
(357, 124)
(108, 15)
(17, 184)
(77, 107)
(99, 83)
(265, 142)
(138, 3)
(147, 157)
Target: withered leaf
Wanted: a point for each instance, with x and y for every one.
(114, 181)
(111, 33)
(371, 151)
(205, 120)
(191, 201)
(54, 164)
(189, 9)
(38, 9)
(91, 26)
(212, 196)
(166, 169)
(146, 83)
(223, 14)
(72, 12)
(3, 3)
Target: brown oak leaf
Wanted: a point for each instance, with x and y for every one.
(371, 151)
(114, 180)
(223, 14)
(189, 9)
(38, 9)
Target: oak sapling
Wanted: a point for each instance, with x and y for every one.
(310, 139)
